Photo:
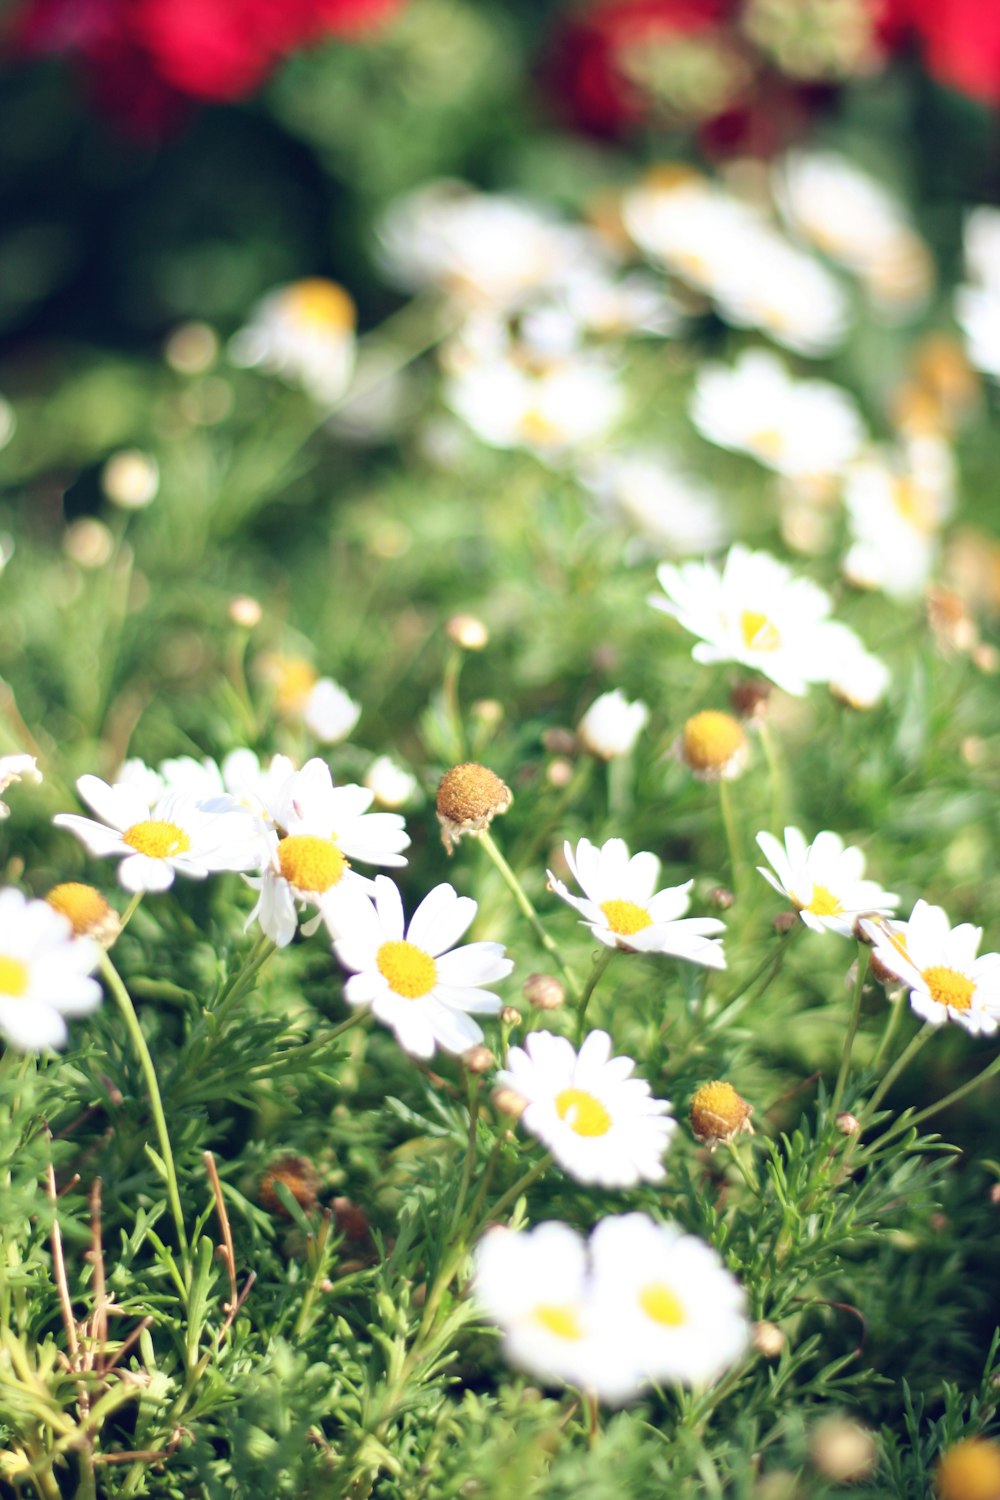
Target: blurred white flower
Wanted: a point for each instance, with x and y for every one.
(14, 768)
(860, 680)
(672, 512)
(689, 226)
(784, 292)
(44, 974)
(601, 1124)
(938, 963)
(611, 725)
(329, 713)
(392, 785)
(896, 506)
(550, 411)
(823, 880)
(303, 332)
(130, 479)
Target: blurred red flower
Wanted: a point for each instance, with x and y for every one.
(959, 41)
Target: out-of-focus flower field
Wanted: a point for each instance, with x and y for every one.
(500, 750)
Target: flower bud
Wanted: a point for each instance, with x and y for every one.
(130, 479)
(847, 1123)
(509, 1102)
(245, 612)
(969, 1470)
(298, 1175)
(611, 725)
(477, 1059)
(842, 1450)
(469, 797)
(721, 898)
(768, 1339)
(544, 991)
(784, 922)
(351, 1220)
(749, 699)
(468, 632)
(713, 746)
(86, 910)
(718, 1113)
(510, 1016)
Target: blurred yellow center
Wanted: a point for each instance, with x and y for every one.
(562, 1321)
(711, 739)
(82, 906)
(410, 971)
(822, 903)
(769, 441)
(536, 427)
(14, 977)
(582, 1112)
(949, 987)
(294, 680)
(625, 917)
(759, 633)
(157, 839)
(310, 863)
(659, 1303)
(319, 304)
(913, 505)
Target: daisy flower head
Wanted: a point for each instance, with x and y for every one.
(319, 830)
(44, 973)
(536, 1285)
(14, 768)
(176, 834)
(823, 880)
(304, 333)
(413, 977)
(938, 963)
(674, 1306)
(552, 411)
(611, 725)
(601, 1124)
(623, 909)
(668, 512)
(757, 613)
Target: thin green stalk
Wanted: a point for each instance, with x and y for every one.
(746, 1170)
(521, 1185)
(124, 1002)
(896, 1009)
(131, 909)
(769, 969)
(729, 824)
(774, 770)
(600, 964)
(525, 907)
(902, 1061)
(852, 1030)
(902, 1126)
(470, 1150)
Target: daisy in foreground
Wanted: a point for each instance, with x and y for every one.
(44, 974)
(623, 909)
(174, 835)
(757, 613)
(643, 1302)
(600, 1124)
(938, 962)
(823, 880)
(415, 980)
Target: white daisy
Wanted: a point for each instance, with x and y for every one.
(329, 713)
(757, 613)
(611, 725)
(861, 680)
(44, 973)
(320, 830)
(154, 842)
(14, 768)
(535, 1284)
(673, 513)
(676, 1309)
(549, 411)
(690, 226)
(416, 981)
(803, 429)
(623, 909)
(256, 786)
(784, 292)
(897, 505)
(600, 1124)
(392, 785)
(823, 880)
(938, 962)
(303, 332)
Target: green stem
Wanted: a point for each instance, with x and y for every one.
(902, 1061)
(774, 770)
(600, 964)
(470, 1151)
(745, 1170)
(901, 1126)
(770, 969)
(130, 910)
(852, 1030)
(729, 824)
(521, 1185)
(525, 907)
(896, 1009)
(124, 1002)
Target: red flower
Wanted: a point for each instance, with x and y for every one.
(959, 40)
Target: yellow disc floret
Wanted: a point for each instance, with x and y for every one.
(310, 863)
(625, 917)
(718, 1112)
(662, 1305)
(157, 839)
(15, 977)
(759, 633)
(469, 797)
(949, 987)
(86, 910)
(410, 971)
(713, 744)
(969, 1470)
(317, 303)
(582, 1112)
(822, 902)
(564, 1322)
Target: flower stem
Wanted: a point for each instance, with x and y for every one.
(774, 769)
(525, 907)
(729, 824)
(901, 1126)
(852, 1030)
(130, 910)
(521, 1185)
(895, 1011)
(902, 1061)
(124, 1002)
(600, 964)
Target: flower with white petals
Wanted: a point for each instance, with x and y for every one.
(321, 828)
(14, 768)
(861, 680)
(536, 1285)
(758, 613)
(303, 332)
(601, 1125)
(677, 1310)
(173, 835)
(623, 909)
(823, 880)
(549, 411)
(783, 291)
(254, 785)
(672, 513)
(938, 964)
(690, 226)
(413, 977)
(611, 725)
(392, 785)
(803, 429)
(44, 973)
(329, 712)
(896, 506)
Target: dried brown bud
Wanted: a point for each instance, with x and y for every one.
(510, 1016)
(749, 699)
(842, 1450)
(86, 910)
(509, 1102)
(298, 1175)
(847, 1123)
(477, 1059)
(544, 991)
(784, 922)
(559, 741)
(768, 1339)
(718, 1113)
(469, 797)
(351, 1220)
(721, 898)
(713, 746)
(969, 1470)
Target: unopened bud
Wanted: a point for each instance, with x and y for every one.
(544, 991)
(721, 898)
(351, 1220)
(487, 712)
(130, 479)
(842, 1450)
(969, 1470)
(718, 1113)
(768, 1339)
(847, 1123)
(510, 1016)
(749, 699)
(509, 1102)
(468, 632)
(469, 797)
(559, 772)
(784, 922)
(298, 1175)
(559, 741)
(477, 1060)
(245, 612)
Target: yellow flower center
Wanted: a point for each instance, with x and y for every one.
(949, 987)
(660, 1304)
(83, 907)
(711, 739)
(536, 427)
(913, 505)
(294, 679)
(759, 633)
(822, 903)
(410, 971)
(157, 839)
(582, 1112)
(14, 977)
(316, 303)
(562, 1321)
(310, 863)
(769, 441)
(625, 917)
